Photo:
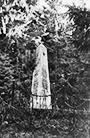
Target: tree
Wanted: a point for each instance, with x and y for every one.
(26, 23)
(81, 24)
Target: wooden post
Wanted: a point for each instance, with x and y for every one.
(13, 87)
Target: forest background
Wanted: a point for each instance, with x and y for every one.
(67, 38)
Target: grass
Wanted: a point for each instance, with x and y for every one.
(57, 127)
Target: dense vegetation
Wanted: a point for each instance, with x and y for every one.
(23, 24)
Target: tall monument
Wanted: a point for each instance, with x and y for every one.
(41, 95)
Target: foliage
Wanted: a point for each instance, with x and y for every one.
(24, 25)
(81, 25)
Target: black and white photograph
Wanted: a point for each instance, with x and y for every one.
(44, 68)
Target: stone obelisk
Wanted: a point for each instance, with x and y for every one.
(41, 95)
